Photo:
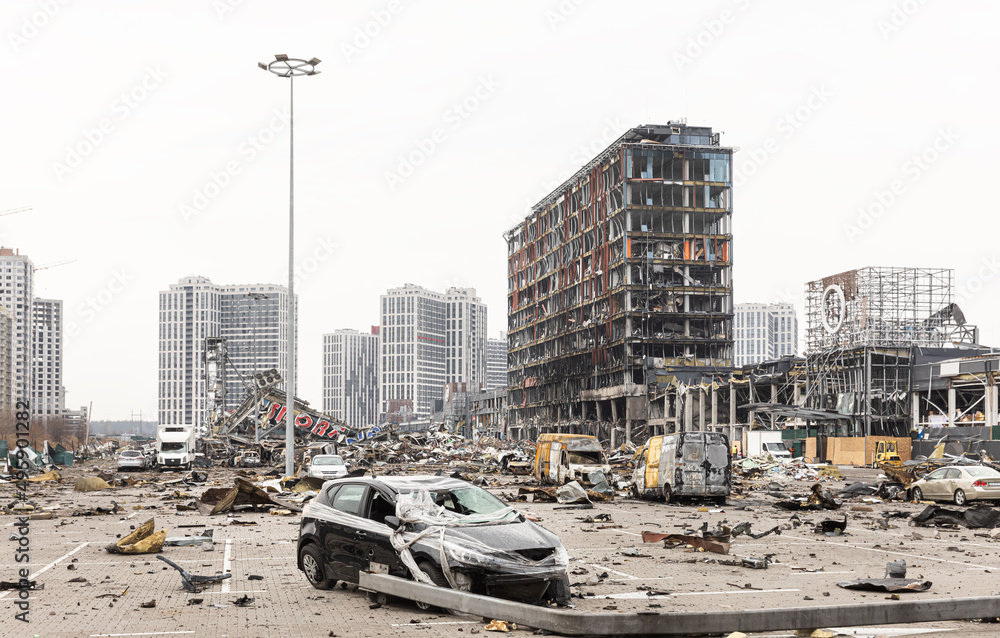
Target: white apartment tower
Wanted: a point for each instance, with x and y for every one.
(465, 357)
(429, 339)
(496, 362)
(762, 332)
(47, 398)
(6, 360)
(251, 317)
(17, 275)
(350, 376)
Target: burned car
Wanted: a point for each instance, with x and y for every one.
(563, 458)
(433, 529)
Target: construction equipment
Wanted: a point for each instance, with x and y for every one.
(886, 454)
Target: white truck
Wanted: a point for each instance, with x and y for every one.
(763, 442)
(174, 447)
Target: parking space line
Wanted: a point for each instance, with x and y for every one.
(227, 565)
(904, 537)
(888, 551)
(249, 591)
(633, 595)
(146, 633)
(614, 571)
(450, 622)
(58, 560)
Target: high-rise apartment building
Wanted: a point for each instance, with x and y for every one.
(47, 398)
(496, 362)
(251, 317)
(762, 332)
(17, 275)
(620, 280)
(6, 360)
(429, 339)
(350, 376)
(465, 357)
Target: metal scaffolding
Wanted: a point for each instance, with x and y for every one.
(864, 329)
(884, 307)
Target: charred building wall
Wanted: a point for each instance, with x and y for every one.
(620, 280)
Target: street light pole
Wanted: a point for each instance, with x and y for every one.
(286, 67)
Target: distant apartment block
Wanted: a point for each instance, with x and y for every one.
(763, 332)
(496, 362)
(350, 376)
(6, 360)
(251, 317)
(47, 398)
(428, 339)
(17, 275)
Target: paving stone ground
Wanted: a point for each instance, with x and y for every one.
(959, 563)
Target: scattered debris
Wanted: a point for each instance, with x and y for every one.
(184, 541)
(91, 483)
(973, 518)
(500, 625)
(191, 581)
(141, 541)
(673, 540)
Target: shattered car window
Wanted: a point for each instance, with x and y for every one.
(583, 445)
(467, 501)
(586, 458)
(348, 499)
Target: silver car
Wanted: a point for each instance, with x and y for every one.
(958, 484)
(327, 466)
(130, 460)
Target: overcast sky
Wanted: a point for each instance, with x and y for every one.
(150, 147)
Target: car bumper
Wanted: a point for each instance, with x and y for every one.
(983, 494)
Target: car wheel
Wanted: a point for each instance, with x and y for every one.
(314, 566)
(437, 577)
(959, 497)
(917, 494)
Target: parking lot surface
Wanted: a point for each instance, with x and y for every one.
(90, 592)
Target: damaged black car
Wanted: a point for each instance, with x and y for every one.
(432, 529)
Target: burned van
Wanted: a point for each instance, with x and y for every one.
(682, 465)
(561, 458)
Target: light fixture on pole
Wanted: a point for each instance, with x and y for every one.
(286, 67)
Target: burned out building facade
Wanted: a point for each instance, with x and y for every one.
(620, 282)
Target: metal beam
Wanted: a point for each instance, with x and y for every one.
(646, 623)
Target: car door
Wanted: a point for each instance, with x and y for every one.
(373, 536)
(651, 459)
(934, 486)
(951, 481)
(341, 541)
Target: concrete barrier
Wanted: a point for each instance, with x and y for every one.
(646, 623)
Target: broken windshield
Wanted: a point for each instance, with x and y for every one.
(467, 501)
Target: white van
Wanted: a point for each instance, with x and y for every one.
(175, 447)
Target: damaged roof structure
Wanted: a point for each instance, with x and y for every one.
(617, 342)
